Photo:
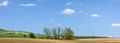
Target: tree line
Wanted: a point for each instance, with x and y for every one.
(49, 33)
(59, 33)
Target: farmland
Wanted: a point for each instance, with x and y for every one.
(24, 40)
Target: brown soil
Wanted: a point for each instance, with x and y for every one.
(23, 40)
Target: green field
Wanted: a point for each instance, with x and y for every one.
(17, 34)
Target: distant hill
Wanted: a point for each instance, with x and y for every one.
(4, 31)
(18, 34)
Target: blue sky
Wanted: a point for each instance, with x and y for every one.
(85, 17)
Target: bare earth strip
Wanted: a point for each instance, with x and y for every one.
(23, 40)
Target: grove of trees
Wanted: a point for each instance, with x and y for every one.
(58, 33)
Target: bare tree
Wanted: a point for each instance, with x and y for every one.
(47, 32)
(58, 31)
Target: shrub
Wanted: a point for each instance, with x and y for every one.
(32, 35)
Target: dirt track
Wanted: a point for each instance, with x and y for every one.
(22, 40)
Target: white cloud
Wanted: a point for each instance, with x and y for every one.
(115, 24)
(95, 15)
(28, 4)
(68, 11)
(69, 3)
(4, 3)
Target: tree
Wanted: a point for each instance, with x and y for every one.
(56, 32)
(25, 35)
(32, 35)
(68, 33)
(47, 32)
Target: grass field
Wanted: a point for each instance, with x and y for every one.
(23, 40)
